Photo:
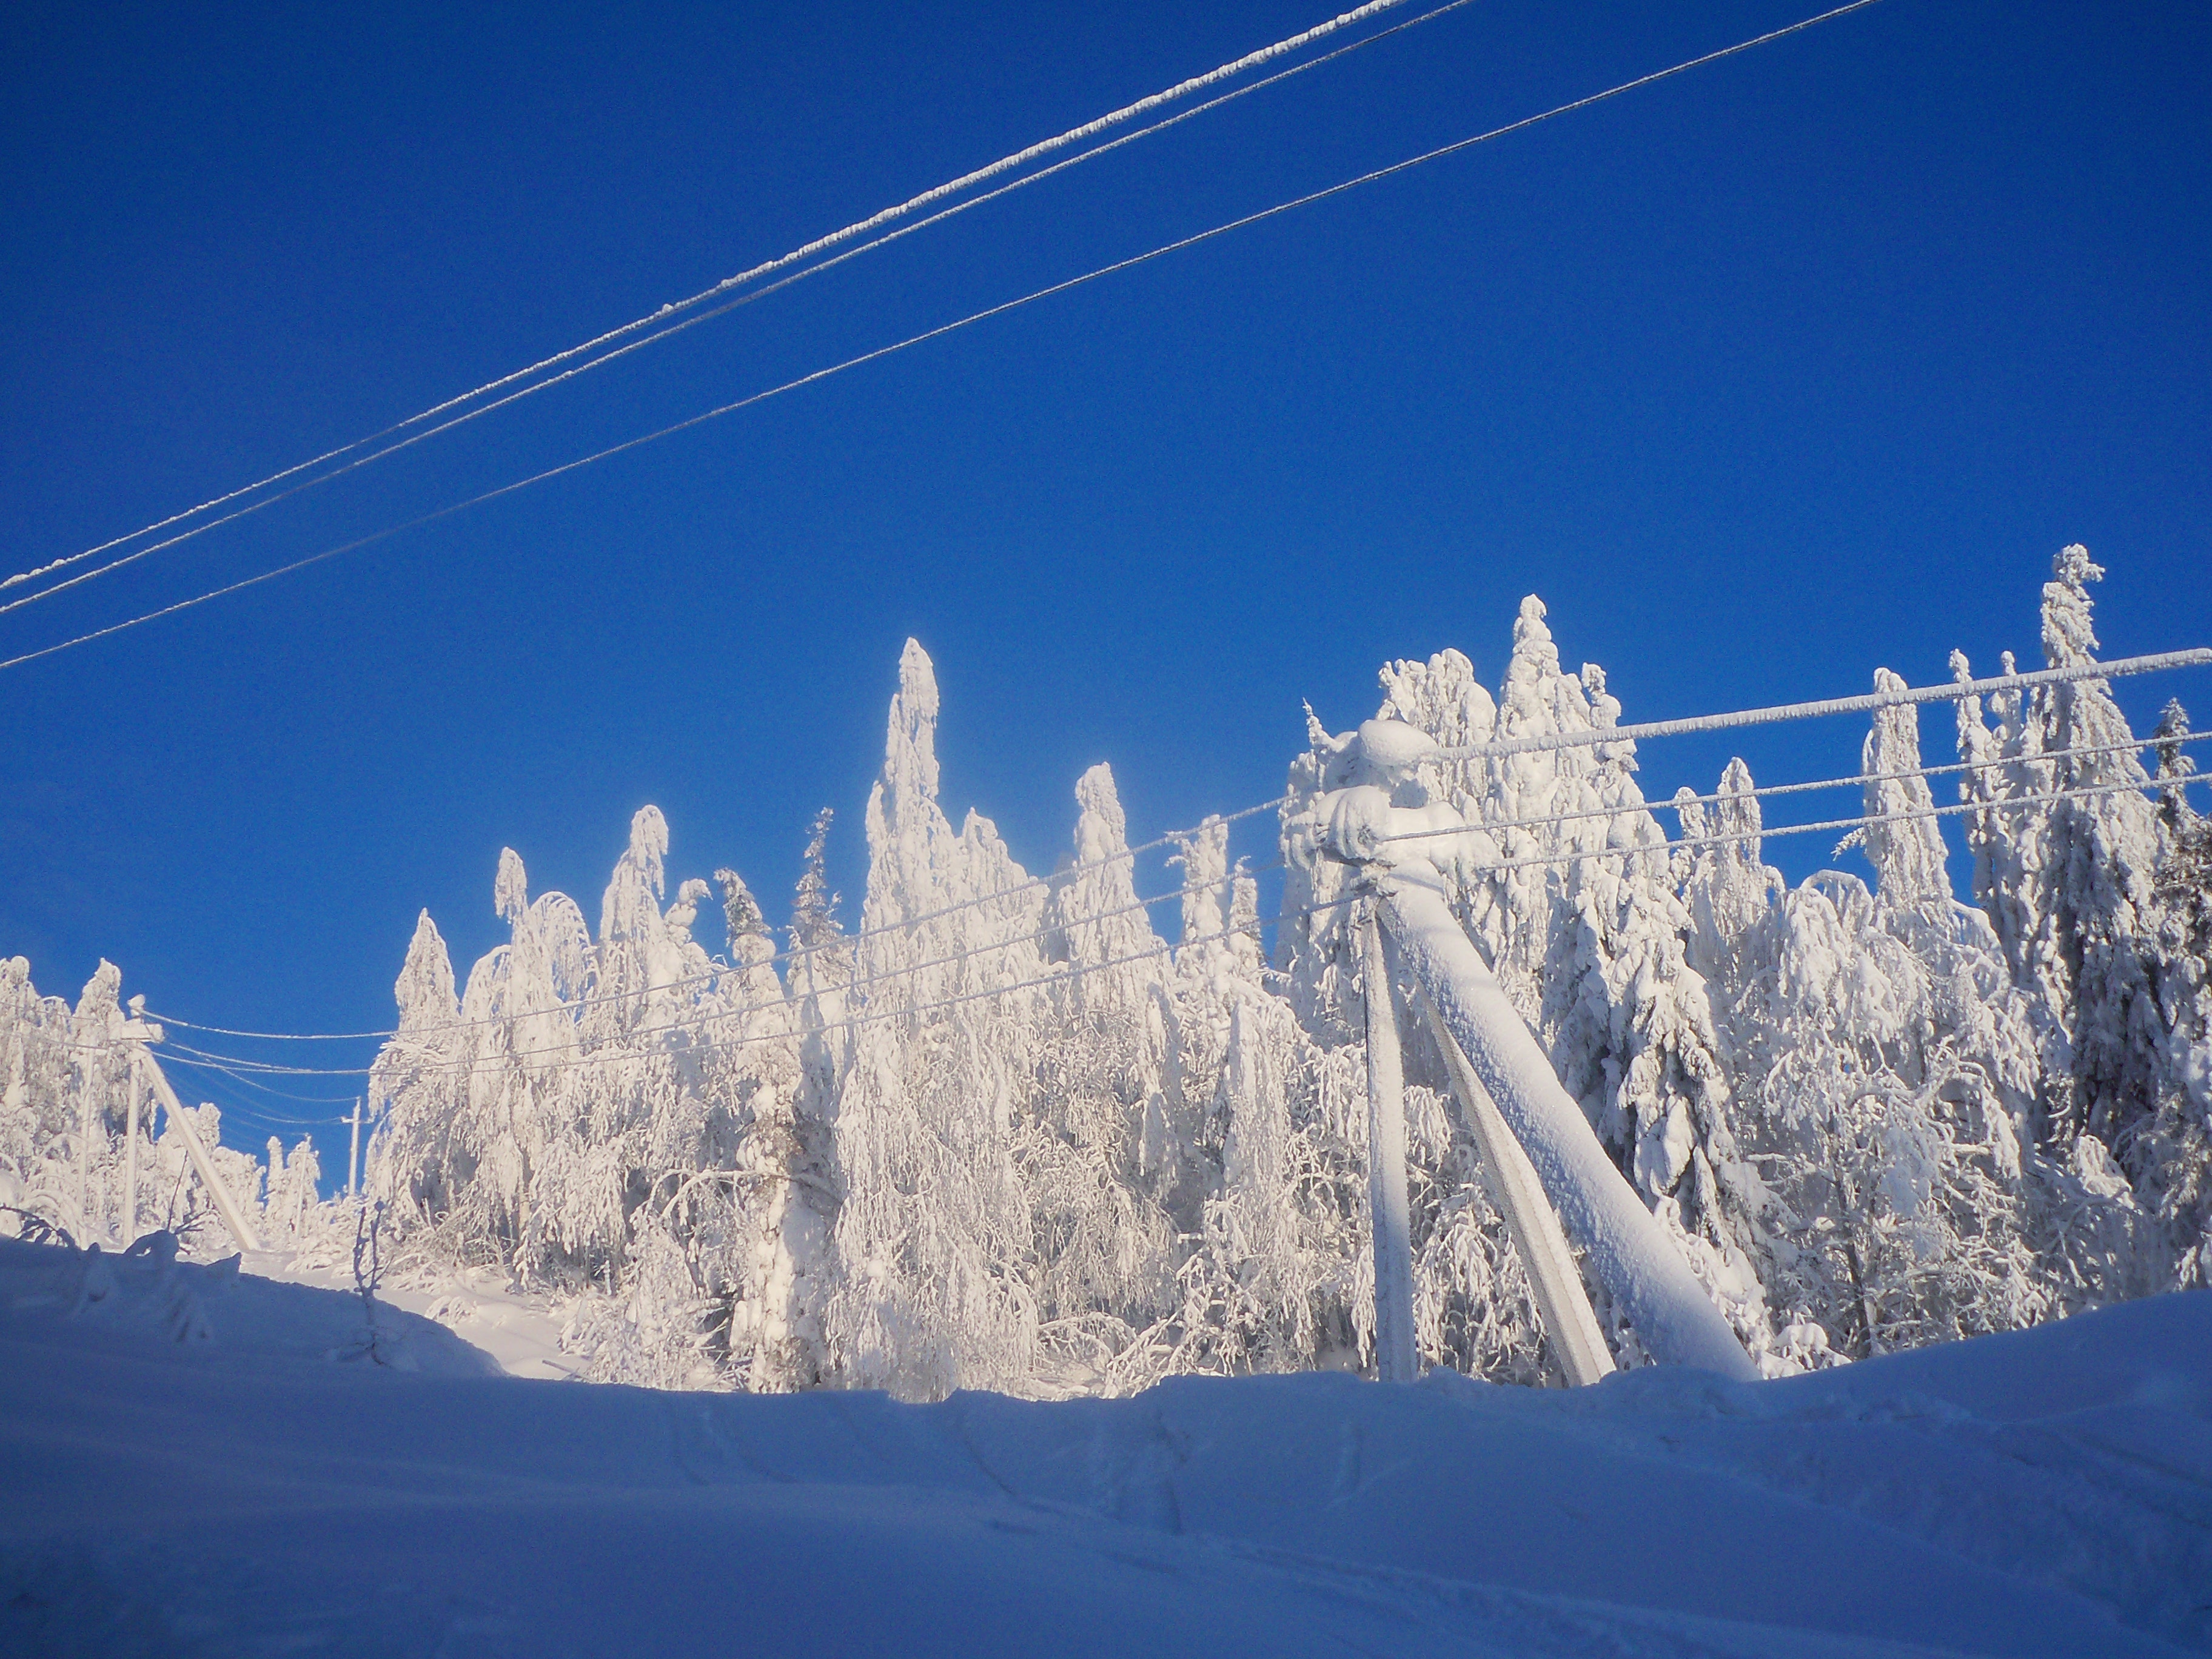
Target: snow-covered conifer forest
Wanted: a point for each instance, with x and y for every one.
(1026, 1134)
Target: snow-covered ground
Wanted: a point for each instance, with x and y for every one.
(190, 1464)
(521, 1331)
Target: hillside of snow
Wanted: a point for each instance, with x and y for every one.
(193, 1464)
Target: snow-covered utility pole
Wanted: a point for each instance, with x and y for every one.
(203, 1166)
(1628, 1250)
(1591, 1200)
(1570, 1325)
(1394, 1360)
(131, 1168)
(353, 1158)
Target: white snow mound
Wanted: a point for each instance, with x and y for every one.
(2046, 1493)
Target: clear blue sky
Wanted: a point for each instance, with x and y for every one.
(1796, 365)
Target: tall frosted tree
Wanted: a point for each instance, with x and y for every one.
(2070, 882)
(934, 1233)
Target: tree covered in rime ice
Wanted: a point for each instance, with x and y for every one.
(1028, 1133)
(2093, 896)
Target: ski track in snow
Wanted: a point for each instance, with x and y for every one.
(241, 1492)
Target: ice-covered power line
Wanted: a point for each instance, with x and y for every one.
(1866, 703)
(1766, 791)
(1061, 976)
(672, 319)
(967, 321)
(860, 985)
(1181, 837)
(1864, 821)
(1058, 878)
(1076, 970)
(238, 1078)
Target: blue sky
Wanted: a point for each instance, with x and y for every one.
(1798, 364)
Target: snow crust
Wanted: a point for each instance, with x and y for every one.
(2036, 1494)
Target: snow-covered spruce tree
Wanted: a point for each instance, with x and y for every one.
(2068, 882)
(2174, 1147)
(934, 1287)
(423, 1150)
(38, 1104)
(1270, 1190)
(290, 1206)
(590, 1118)
(1884, 1066)
(761, 1230)
(2072, 886)
(1096, 1139)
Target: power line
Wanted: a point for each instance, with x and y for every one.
(238, 1076)
(1069, 972)
(663, 328)
(469, 1068)
(1764, 792)
(952, 327)
(1061, 879)
(1956, 691)
(1864, 822)
(706, 1016)
(1058, 879)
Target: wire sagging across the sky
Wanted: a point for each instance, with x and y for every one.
(1058, 878)
(1075, 970)
(672, 319)
(1183, 837)
(1728, 798)
(1071, 971)
(859, 984)
(973, 318)
(1864, 702)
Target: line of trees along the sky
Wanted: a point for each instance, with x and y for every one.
(1006, 1136)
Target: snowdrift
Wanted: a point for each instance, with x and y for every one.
(239, 1490)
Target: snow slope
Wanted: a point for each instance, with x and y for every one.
(2044, 1493)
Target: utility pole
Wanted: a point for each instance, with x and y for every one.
(219, 1195)
(353, 1159)
(1394, 1357)
(130, 1235)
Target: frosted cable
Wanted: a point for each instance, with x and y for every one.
(861, 227)
(705, 1016)
(1059, 878)
(1957, 690)
(1765, 791)
(1864, 822)
(1076, 971)
(973, 318)
(1861, 822)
